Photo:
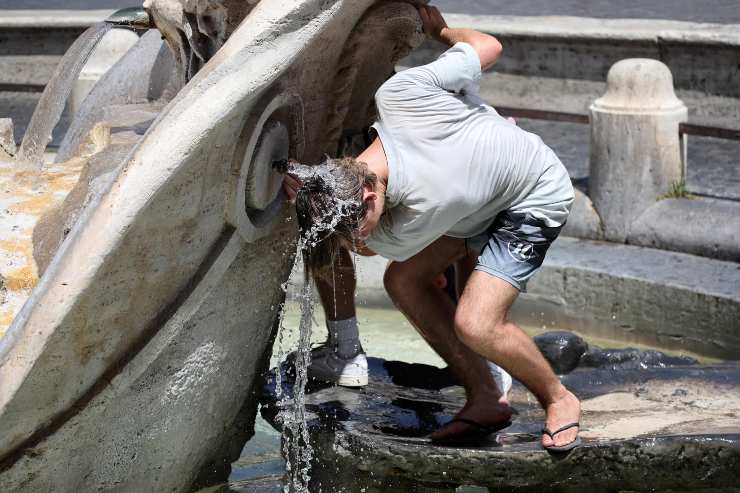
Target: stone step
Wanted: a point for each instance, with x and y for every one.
(668, 299)
(702, 57)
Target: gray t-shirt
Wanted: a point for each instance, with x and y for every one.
(454, 162)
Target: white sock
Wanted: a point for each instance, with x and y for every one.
(345, 335)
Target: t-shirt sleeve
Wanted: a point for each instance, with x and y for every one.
(457, 69)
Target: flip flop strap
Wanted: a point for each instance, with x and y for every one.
(552, 434)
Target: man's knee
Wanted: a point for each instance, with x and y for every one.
(395, 279)
(402, 278)
(474, 331)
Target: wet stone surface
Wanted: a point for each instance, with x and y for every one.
(647, 426)
(566, 351)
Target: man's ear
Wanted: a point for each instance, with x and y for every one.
(369, 196)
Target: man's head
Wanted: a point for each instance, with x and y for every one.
(338, 205)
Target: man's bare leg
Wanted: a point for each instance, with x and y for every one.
(481, 323)
(463, 269)
(337, 291)
(411, 286)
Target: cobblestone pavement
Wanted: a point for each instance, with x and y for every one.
(721, 11)
(713, 164)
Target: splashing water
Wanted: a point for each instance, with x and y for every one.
(297, 439)
(51, 105)
(297, 448)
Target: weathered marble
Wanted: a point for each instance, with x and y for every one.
(644, 429)
(7, 142)
(635, 149)
(156, 272)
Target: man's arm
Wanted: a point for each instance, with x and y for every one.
(488, 47)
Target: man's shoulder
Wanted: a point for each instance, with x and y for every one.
(402, 85)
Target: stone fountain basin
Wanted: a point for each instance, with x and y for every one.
(644, 429)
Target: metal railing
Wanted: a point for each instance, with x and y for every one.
(553, 116)
(686, 129)
(560, 116)
(705, 131)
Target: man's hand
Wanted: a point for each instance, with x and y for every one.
(291, 185)
(488, 47)
(432, 22)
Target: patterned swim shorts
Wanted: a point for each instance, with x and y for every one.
(513, 247)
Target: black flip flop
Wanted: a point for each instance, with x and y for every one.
(568, 446)
(477, 433)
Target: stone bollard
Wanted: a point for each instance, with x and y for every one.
(111, 48)
(635, 147)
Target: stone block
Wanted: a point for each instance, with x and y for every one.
(621, 292)
(636, 294)
(703, 57)
(583, 221)
(700, 226)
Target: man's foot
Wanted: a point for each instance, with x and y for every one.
(330, 366)
(474, 433)
(488, 416)
(562, 413)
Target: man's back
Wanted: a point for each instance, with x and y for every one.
(454, 163)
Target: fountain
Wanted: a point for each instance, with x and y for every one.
(142, 278)
(142, 270)
(53, 99)
(651, 422)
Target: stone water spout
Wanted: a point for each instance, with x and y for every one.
(136, 18)
(141, 271)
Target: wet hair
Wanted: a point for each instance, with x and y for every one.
(330, 209)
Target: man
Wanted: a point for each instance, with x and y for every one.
(447, 181)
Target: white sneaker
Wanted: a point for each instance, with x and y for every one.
(503, 379)
(328, 366)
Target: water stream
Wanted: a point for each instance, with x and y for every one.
(51, 105)
(295, 437)
(296, 445)
(296, 442)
